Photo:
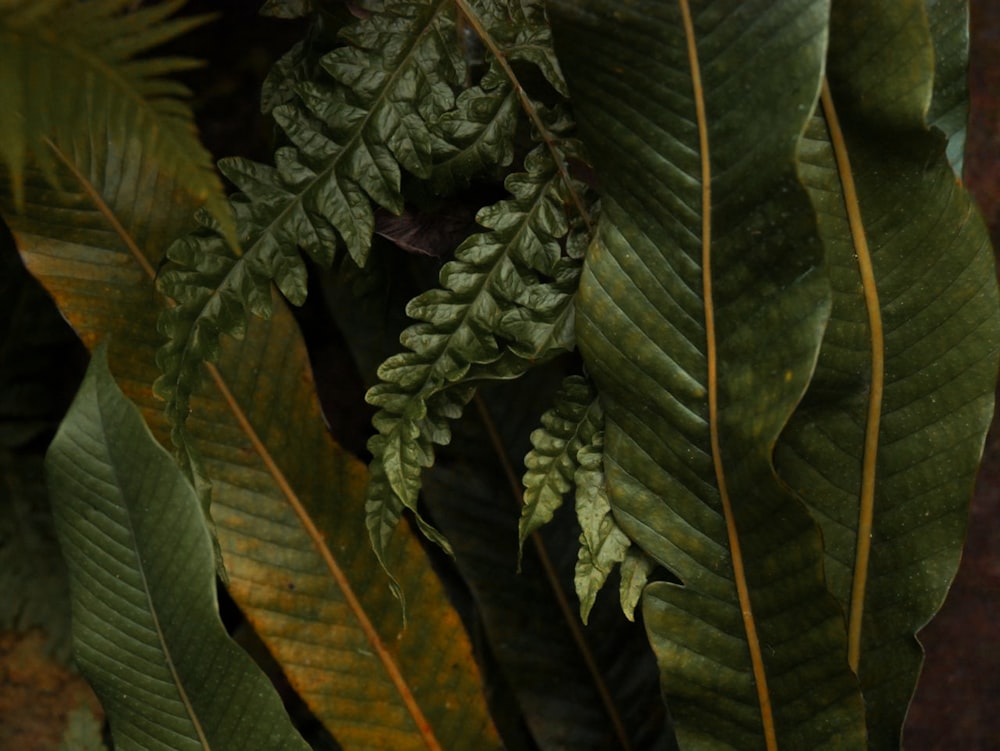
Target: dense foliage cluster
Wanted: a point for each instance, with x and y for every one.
(737, 228)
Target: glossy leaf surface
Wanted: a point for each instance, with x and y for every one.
(700, 315)
(146, 627)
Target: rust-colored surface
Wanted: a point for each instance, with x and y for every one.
(36, 694)
(957, 705)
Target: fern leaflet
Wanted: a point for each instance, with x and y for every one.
(552, 461)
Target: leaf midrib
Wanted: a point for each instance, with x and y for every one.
(866, 499)
(371, 634)
(150, 606)
(739, 573)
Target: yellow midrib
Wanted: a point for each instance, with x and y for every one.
(339, 576)
(866, 501)
(739, 573)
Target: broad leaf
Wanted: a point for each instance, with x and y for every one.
(700, 313)
(886, 444)
(286, 499)
(146, 627)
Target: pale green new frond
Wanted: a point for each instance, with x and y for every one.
(67, 72)
(602, 543)
(352, 130)
(504, 303)
(635, 571)
(552, 462)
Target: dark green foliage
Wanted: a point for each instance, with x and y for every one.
(737, 223)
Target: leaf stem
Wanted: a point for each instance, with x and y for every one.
(550, 141)
(866, 504)
(739, 572)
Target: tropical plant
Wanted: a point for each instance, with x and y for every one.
(723, 252)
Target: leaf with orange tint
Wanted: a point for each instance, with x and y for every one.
(286, 499)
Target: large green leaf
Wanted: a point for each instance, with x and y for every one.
(286, 499)
(700, 314)
(146, 627)
(886, 444)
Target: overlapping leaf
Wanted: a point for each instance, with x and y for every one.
(146, 627)
(948, 21)
(68, 68)
(886, 444)
(700, 313)
(592, 687)
(303, 576)
(505, 302)
(351, 132)
(566, 454)
(477, 136)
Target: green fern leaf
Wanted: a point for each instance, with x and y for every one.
(552, 462)
(504, 303)
(635, 571)
(478, 135)
(71, 70)
(602, 543)
(351, 130)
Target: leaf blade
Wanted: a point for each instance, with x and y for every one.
(931, 287)
(88, 263)
(687, 234)
(146, 626)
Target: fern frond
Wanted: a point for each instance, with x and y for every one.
(68, 71)
(478, 135)
(552, 462)
(504, 303)
(603, 544)
(352, 131)
(516, 30)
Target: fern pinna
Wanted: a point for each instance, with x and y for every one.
(430, 90)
